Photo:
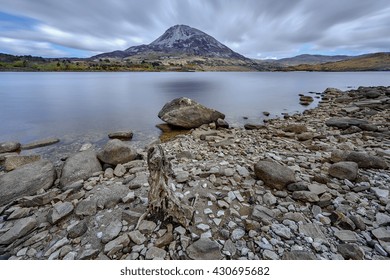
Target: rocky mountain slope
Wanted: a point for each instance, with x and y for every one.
(176, 41)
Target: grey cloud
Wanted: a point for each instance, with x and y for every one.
(251, 27)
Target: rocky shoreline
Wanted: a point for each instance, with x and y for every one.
(310, 186)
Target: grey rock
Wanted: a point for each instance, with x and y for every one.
(13, 162)
(119, 170)
(312, 230)
(305, 196)
(26, 180)
(116, 245)
(18, 230)
(60, 243)
(187, 113)
(382, 234)
(269, 199)
(229, 248)
(299, 255)
(344, 170)
(359, 222)
(273, 174)
(137, 237)
(380, 250)
(338, 155)
(40, 143)
(109, 173)
(89, 254)
(294, 216)
(221, 123)
(365, 160)
(79, 166)
(155, 253)
(298, 186)
(346, 236)
(139, 181)
(111, 231)
(382, 219)
(204, 249)
(125, 135)
(130, 216)
(117, 152)
(182, 176)
(59, 211)
(350, 251)
(252, 126)
(380, 193)
(86, 208)
(263, 214)
(77, 229)
(317, 188)
(270, 255)
(8, 147)
(147, 227)
(281, 230)
(295, 128)
(237, 234)
(344, 123)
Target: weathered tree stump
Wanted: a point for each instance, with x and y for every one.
(162, 201)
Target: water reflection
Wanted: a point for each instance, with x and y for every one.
(186, 87)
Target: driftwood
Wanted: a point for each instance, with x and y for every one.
(163, 204)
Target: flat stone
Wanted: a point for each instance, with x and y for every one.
(59, 211)
(382, 219)
(182, 176)
(111, 231)
(77, 229)
(124, 134)
(139, 181)
(18, 230)
(131, 216)
(130, 197)
(86, 208)
(204, 249)
(382, 234)
(237, 234)
(294, 216)
(350, 251)
(263, 214)
(346, 236)
(13, 162)
(380, 193)
(312, 230)
(146, 226)
(305, 196)
(89, 254)
(270, 255)
(281, 230)
(229, 248)
(299, 255)
(344, 123)
(317, 188)
(155, 253)
(116, 152)
(269, 199)
(60, 243)
(26, 180)
(116, 245)
(40, 143)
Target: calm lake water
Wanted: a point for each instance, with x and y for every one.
(87, 106)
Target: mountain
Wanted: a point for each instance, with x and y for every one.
(311, 59)
(366, 62)
(179, 40)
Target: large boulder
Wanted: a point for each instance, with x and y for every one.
(273, 174)
(79, 166)
(344, 170)
(26, 180)
(116, 152)
(187, 113)
(365, 160)
(344, 123)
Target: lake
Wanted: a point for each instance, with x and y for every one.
(85, 107)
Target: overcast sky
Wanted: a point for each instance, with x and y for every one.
(254, 28)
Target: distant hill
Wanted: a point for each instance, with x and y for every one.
(367, 62)
(311, 59)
